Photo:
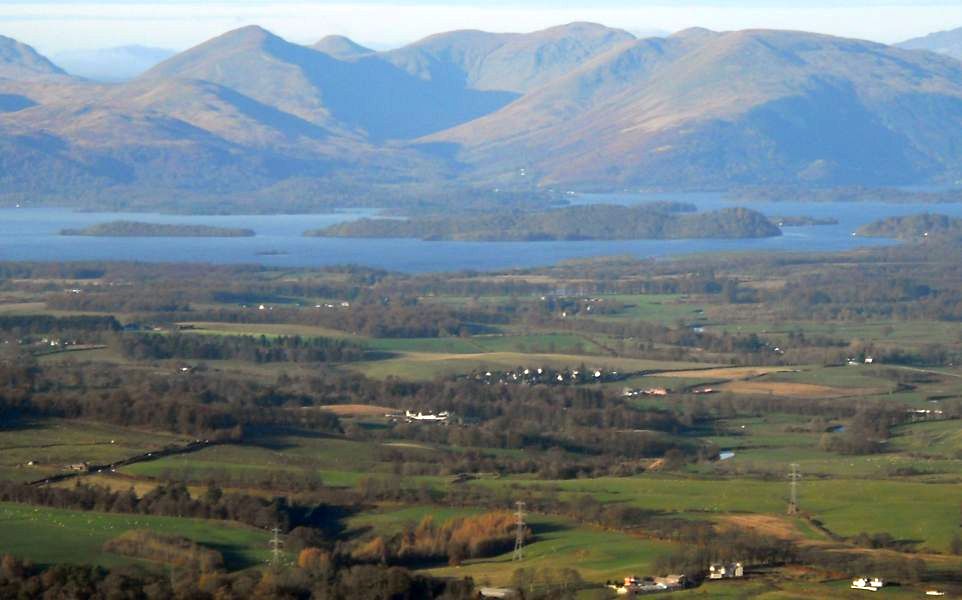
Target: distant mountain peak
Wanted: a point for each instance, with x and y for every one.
(695, 32)
(340, 46)
(513, 62)
(943, 42)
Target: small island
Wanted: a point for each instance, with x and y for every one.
(914, 227)
(660, 221)
(803, 221)
(138, 229)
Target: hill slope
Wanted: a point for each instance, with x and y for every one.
(19, 61)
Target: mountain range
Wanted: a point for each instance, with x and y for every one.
(580, 106)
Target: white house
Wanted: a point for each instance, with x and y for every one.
(868, 585)
(726, 571)
(426, 417)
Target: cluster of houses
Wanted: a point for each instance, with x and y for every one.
(867, 584)
(726, 571)
(633, 586)
(926, 414)
(44, 345)
(636, 586)
(327, 305)
(331, 306)
(633, 393)
(545, 376)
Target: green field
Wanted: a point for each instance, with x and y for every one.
(923, 512)
(599, 555)
(49, 536)
(53, 444)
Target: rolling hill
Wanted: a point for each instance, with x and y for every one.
(579, 105)
(943, 42)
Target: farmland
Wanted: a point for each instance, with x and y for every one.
(648, 423)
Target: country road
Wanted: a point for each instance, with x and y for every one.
(145, 457)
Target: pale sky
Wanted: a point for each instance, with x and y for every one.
(57, 25)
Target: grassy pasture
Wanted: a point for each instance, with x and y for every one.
(599, 555)
(52, 444)
(880, 332)
(47, 535)
(928, 513)
(665, 309)
(266, 329)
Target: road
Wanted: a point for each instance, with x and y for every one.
(145, 457)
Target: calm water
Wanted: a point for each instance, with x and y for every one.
(32, 234)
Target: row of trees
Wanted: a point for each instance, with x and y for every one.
(262, 349)
(316, 579)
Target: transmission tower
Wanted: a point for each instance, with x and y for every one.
(275, 544)
(519, 535)
(793, 478)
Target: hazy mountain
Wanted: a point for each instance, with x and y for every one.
(581, 105)
(367, 96)
(339, 46)
(702, 108)
(111, 64)
(943, 42)
(517, 62)
(19, 61)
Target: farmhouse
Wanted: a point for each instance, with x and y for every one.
(868, 585)
(726, 570)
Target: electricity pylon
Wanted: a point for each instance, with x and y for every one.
(793, 477)
(519, 535)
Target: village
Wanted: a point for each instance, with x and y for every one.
(546, 376)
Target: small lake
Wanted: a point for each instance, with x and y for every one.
(32, 234)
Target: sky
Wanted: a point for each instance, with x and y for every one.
(54, 26)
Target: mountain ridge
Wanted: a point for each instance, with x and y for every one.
(580, 105)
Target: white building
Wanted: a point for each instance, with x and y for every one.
(868, 585)
(726, 571)
(426, 417)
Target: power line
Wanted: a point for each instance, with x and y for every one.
(793, 477)
(519, 535)
(275, 544)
